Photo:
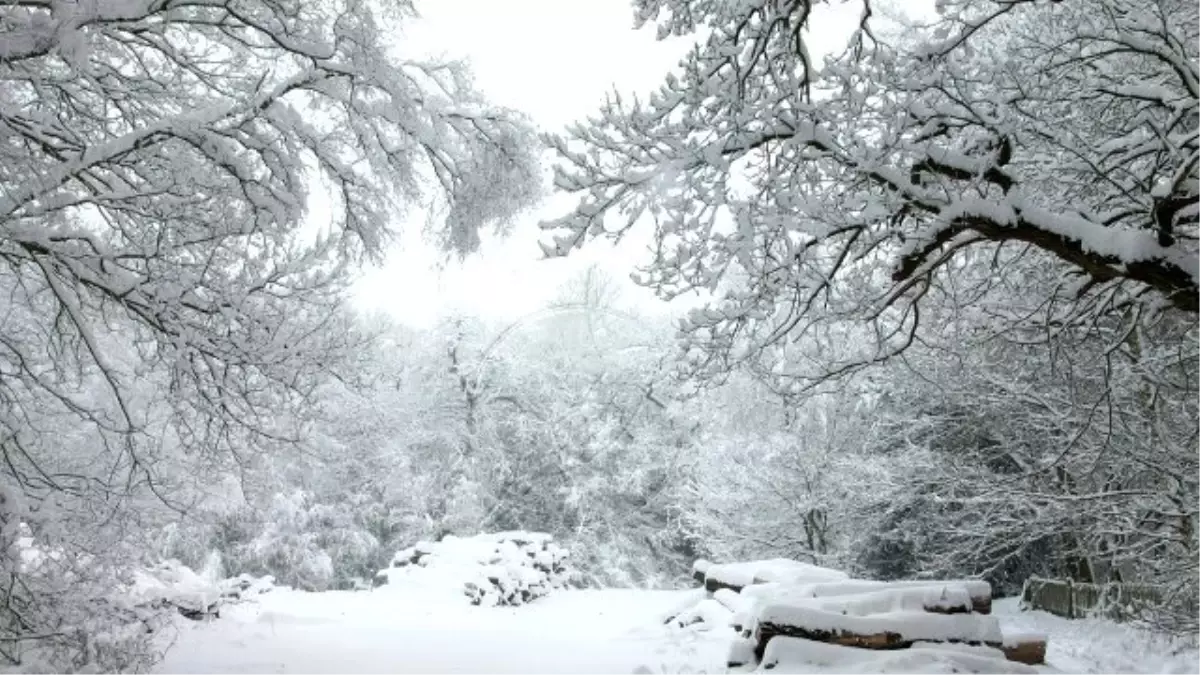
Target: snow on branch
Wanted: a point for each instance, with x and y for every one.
(814, 201)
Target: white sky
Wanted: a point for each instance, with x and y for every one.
(555, 60)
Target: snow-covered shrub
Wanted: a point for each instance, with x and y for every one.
(64, 611)
(70, 612)
(1179, 613)
(301, 542)
(503, 568)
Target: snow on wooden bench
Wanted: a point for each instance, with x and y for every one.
(736, 576)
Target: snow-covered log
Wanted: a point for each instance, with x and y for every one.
(790, 654)
(784, 607)
(736, 576)
(1025, 647)
(892, 630)
(945, 596)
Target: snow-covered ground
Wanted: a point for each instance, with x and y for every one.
(610, 631)
(591, 631)
(1097, 645)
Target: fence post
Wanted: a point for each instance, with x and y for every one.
(1070, 598)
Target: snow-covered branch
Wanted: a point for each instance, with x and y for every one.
(808, 199)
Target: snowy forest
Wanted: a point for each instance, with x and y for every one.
(929, 304)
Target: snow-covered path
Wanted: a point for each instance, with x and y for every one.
(597, 631)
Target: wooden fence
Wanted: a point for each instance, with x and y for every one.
(1073, 600)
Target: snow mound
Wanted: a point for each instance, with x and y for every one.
(196, 595)
(706, 615)
(502, 568)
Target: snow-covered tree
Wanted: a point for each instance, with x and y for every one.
(801, 488)
(183, 188)
(820, 200)
(573, 429)
(987, 219)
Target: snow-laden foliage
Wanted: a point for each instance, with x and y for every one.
(957, 463)
(803, 493)
(820, 200)
(1050, 460)
(183, 189)
(63, 609)
(69, 610)
(562, 422)
(569, 426)
(299, 541)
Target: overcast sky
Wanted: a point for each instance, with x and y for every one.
(554, 60)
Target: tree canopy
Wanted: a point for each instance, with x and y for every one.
(826, 200)
(170, 291)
